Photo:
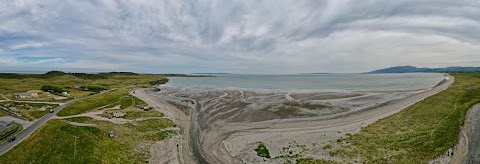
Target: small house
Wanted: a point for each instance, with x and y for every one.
(23, 95)
(107, 115)
(27, 95)
(34, 95)
(119, 114)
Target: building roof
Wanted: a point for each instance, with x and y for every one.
(24, 94)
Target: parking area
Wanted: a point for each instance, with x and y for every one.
(24, 123)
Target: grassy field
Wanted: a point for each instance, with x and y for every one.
(418, 133)
(93, 103)
(31, 111)
(117, 97)
(139, 114)
(12, 83)
(81, 119)
(54, 142)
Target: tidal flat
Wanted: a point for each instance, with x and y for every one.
(226, 125)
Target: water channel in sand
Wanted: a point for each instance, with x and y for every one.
(226, 122)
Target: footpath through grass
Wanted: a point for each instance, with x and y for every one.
(110, 99)
(420, 132)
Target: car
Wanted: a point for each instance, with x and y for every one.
(51, 111)
(11, 139)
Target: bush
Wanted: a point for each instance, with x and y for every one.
(262, 150)
(95, 88)
(49, 88)
(158, 82)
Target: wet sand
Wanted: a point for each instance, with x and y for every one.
(225, 126)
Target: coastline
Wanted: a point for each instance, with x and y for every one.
(219, 140)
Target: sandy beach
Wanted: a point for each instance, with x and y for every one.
(225, 126)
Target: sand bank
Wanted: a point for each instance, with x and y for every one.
(224, 126)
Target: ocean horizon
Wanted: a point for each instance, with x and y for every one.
(311, 82)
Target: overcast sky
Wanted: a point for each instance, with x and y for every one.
(244, 36)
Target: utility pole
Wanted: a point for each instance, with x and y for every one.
(75, 148)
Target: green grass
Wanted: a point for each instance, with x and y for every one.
(25, 82)
(126, 102)
(3, 114)
(131, 101)
(138, 101)
(54, 142)
(420, 132)
(29, 110)
(93, 103)
(38, 114)
(262, 150)
(154, 123)
(140, 114)
(107, 100)
(10, 128)
(81, 119)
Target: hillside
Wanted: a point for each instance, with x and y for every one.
(409, 69)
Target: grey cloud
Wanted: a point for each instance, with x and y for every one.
(239, 36)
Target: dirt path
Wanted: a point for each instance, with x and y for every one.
(178, 116)
(95, 115)
(4, 97)
(81, 124)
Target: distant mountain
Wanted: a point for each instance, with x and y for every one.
(320, 73)
(212, 73)
(409, 69)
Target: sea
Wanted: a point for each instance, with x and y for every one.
(311, 82)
